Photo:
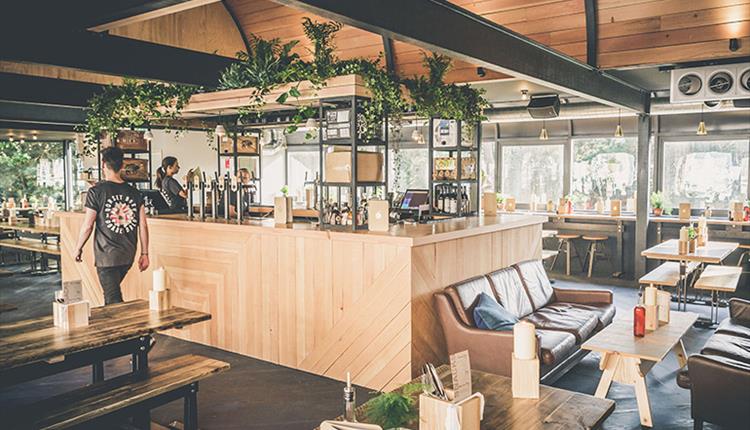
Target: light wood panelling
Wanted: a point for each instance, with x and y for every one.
(327, 303)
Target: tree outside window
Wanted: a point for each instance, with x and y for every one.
(533, 171)
(34, 170)
(603, 169)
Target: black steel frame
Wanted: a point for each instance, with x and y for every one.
(236, 158)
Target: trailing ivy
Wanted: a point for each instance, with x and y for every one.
(133, 104)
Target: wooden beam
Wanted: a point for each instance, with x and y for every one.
(151, 14)
(592, 38)
(120, 56)
(479, 41)
(388, 52)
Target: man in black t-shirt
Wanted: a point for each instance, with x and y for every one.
(117, 211)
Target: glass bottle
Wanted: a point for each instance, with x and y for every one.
(350, 400)
(639, 321)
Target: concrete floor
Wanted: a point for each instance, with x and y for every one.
(259, 395)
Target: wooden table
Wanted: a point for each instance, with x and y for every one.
(712, 253)
(555, 409)
(36, 229)
(35, 348)
(627, 359)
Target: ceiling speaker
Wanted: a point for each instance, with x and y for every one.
(544, 106)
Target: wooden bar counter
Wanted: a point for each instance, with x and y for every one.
(324, 301)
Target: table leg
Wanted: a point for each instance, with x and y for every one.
(641, 396)
(140, 365)
(679, 351)
(618, 258)
(97, 371)
(567, 257)
(609, 364)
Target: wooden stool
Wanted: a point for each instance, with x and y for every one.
(566, 248)
(594, 250)
(745, 252)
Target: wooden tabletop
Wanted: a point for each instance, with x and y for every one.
(590, 216)
(24, 226)
(618, 338)
(555, 409)
(32, 245)
(37, 339)
(719, 278)
(714, 252)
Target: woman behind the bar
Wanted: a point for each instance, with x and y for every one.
(171, 189)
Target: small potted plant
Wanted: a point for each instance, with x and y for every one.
(657, 203)
(395, 409)
(500, 201)
(692, 238)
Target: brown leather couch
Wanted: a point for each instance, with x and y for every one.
(719, 377)
(564, 318)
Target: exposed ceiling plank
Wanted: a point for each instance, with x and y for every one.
(99, 52)
(140, 15)
(477, 40)
(34, 89)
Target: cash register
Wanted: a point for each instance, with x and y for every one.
(415, 205)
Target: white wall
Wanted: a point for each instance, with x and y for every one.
(191, 148)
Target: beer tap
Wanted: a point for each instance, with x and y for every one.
(210, 187)
(227, 190)
(202, 199)
(238, 202)
(190, 187)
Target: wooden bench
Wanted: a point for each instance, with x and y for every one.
(32, 246)
(718, 279)
(666, 275)
(123, 396)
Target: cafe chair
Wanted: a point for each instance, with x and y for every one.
(597, 248)
(568, 248)
(745, 253)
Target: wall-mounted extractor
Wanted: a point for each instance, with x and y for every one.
(710, 83)
(544, 106)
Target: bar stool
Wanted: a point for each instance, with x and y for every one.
(594, 250)
(566, 248)
(745, 253)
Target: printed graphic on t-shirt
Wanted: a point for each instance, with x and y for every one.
(120, 215)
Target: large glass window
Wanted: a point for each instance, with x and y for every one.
(409, 168)
(488, 161)
(301, 166)
(32, 170)
(706, 173)
(273, 167)
(533, 171)
(603, 168)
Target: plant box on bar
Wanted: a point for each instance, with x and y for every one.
(230, 101)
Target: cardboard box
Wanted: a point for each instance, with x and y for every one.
(135, 169)
(338, 166)
(246, 145)
(129, 140)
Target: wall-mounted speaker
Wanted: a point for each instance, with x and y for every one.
(544, 106)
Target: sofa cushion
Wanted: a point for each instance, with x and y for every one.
(564, 317)
(465, 294)
(730, 327)
(555, 346)
(724, 345)
(489, 315)
(510, 291)
(604, 311)
(537, 283)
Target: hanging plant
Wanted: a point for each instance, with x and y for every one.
(321, 34)
(433, 98)
(131, 105)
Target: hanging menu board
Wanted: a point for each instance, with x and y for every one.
(338, 124)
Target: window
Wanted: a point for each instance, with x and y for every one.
(488, 161)
(533, 170)
(34, 170)
(705, 173)
(301, 166)
(603, 169)
(409, 168)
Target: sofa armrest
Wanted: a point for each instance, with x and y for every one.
(739, 310)
(719, 389)
(582, 296)
(490, 351)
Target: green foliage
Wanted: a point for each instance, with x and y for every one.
(396, 408)
(692, 232)
(285, 190)
(433, 98)
(321, 35)
(131, 105)
(18, 169)
(657, 200)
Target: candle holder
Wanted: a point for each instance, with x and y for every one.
(682, 247)
(692, 245)
(525, 378)
(663, 299)
(159, 300)
(652, 317)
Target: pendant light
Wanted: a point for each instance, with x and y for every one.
(702, 125)
(544, 135)
(525, 95)
(220, 131)
(148, 135)
(311, 123)
(618, 130)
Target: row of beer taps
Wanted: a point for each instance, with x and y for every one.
(216, 189)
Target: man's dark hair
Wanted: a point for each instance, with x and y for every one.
(112, 157)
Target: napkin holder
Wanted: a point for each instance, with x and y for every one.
(159, 300)
(663, 300)
(525, 378)
(652, 317)
(434, 412)
(71, 315)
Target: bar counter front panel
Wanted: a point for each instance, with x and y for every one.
(326, 302)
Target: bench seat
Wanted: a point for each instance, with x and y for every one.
(666, 275)
(31, 245)
(126, 392)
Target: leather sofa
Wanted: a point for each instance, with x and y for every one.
(719, 376)
(564, 318)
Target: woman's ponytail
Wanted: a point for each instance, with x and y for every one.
(160, 173)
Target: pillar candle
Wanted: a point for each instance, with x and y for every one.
(524, 341)
(160, 280)
(684, 234)
(650, 298)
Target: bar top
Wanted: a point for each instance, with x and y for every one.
(407, 234)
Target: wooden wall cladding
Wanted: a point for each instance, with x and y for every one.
(327, 304)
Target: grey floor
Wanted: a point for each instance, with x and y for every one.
(260, 395)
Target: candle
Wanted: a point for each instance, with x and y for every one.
(650, 298)
(160, 280)
(524, 341)
(684, 234)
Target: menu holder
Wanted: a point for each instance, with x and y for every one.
(489, 204)
(439, 414)
(510, 204)
(377, 215)
(615, 208)
(684, 211)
